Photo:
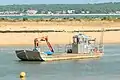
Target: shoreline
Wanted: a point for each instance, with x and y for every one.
(7, 15)
(31, 45)
(65, 31)
(56, 14)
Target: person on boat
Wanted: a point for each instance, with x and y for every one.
(36, 43)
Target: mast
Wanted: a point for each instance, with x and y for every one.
(101, 40)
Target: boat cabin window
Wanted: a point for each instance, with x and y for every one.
(75, 39)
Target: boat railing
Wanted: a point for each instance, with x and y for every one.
(60, 48)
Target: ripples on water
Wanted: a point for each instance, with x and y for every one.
(108, 67)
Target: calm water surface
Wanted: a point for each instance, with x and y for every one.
(108, 67)
(63, 16)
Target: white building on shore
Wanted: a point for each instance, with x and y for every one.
(31, 11)
(70, 11)
(9, 13)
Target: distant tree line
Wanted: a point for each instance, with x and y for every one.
(93, 8)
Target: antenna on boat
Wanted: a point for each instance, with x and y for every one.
(70, 39)
(83, 30)
(101, 39)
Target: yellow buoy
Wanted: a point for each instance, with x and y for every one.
(22, 75)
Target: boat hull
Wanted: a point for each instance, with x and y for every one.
(26, 55)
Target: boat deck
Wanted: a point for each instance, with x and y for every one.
(66, 56)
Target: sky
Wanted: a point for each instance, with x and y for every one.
(9, 2)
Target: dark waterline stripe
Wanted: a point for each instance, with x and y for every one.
(41, 31)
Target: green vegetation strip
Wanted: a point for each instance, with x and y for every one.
(43, 8)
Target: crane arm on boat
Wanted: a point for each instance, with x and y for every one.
(36, 44)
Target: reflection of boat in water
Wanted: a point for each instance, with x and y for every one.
(83, 47)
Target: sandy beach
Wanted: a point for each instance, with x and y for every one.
(57, 37)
